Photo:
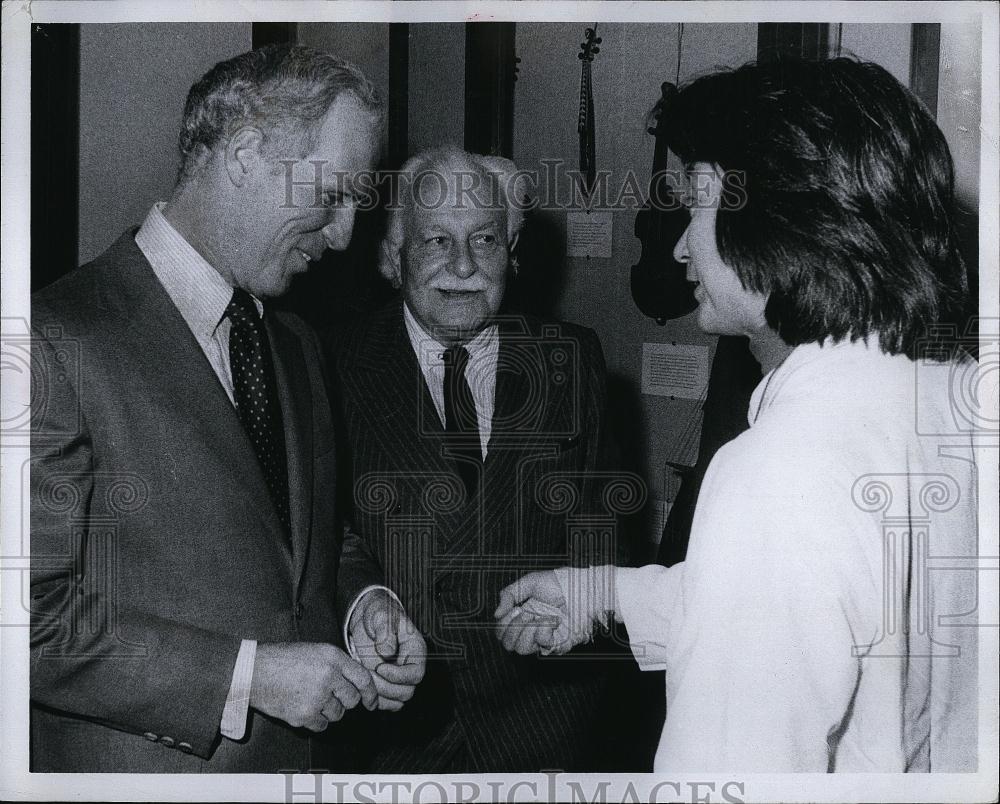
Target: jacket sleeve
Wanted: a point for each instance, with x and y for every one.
(359, 566)
(359, 569)
(92, 655)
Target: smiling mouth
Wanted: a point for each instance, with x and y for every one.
(458, 294)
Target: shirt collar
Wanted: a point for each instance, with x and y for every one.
(197, 290)
(802, 357)
(430, 351)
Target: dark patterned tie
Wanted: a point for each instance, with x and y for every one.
(461, 425)
(256, 394)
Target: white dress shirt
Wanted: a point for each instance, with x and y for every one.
(480, 371)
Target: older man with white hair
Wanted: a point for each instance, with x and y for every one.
(464, 427)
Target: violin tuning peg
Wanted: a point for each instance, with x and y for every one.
(595, 50)
(598, 40)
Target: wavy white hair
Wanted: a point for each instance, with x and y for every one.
(447, 163)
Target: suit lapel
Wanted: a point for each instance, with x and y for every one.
(398, 404)
(527, 398)
(296, 412)
(175, 369)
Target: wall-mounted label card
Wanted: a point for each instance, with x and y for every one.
(588, 234)
(675, 369)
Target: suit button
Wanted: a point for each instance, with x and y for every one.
(151, 737)
(185, 747)
(167, 741)
(299, 611)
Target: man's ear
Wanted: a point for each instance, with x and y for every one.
(243, 154)
(391, 264)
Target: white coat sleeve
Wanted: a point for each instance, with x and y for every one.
(757, 648)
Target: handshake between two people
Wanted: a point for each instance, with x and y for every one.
(553, 611)
(312, 684)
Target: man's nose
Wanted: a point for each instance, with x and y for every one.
(681, 252)
(337, 233)
(462, 264)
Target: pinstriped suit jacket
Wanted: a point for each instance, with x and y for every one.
(448, 557)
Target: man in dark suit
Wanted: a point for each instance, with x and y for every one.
(474, 451)
(189, 578)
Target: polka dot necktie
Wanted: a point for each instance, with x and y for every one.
(255, 392)
(461, 422)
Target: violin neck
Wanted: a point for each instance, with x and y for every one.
(586, 98)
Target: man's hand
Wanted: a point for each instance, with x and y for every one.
(308, 684)
(390, 646)
(532, 614)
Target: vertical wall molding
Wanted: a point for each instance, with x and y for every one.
(55, 151)
(399, 92)
(925, 63)
(273, 33)
(808, 40)
(489, 88)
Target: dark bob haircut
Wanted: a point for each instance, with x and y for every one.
(848, 220)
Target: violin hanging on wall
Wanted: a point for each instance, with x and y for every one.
(659, 285)
(585, 121)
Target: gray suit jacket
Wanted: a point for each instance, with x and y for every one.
(155, 546)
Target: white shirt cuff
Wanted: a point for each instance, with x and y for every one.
(234, 715)
(350, 611)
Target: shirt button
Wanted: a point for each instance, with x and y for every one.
(185, 747)
(151, 737)
(299, 611)
(167, 741)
